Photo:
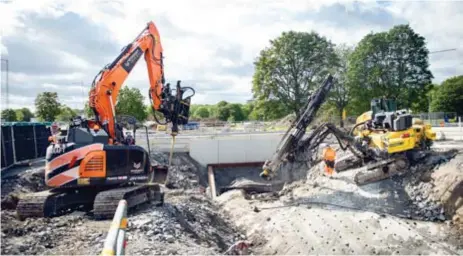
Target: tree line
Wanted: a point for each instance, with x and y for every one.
(49, 108)
(391, 64)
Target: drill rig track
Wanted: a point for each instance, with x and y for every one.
(382, 170)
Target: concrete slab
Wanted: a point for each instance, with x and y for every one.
(319, 229)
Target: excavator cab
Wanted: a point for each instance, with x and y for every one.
(379, 105)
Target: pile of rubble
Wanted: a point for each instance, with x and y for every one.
(184, 173)
(422, 187)
(188, 223)
(63, 235)
(190, 226)
(31, 180)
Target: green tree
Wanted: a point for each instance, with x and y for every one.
(202, 112)
(24, 114)
(448, 97)
(88, 111)
(130, 102)
(66, 114)
(266, 110)
(223, 111)
(9, 115)
(292, 67)
(340, 93)
(392, 64)
(235, 112)
(247, 109)
(47, 106)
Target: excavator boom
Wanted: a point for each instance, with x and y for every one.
(104, 92)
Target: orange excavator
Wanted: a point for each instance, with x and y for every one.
(95, 165)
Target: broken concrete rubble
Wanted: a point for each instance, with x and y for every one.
(298, 216)
(188, 223)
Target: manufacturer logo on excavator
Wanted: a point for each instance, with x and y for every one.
(137, 168)
(130, 62)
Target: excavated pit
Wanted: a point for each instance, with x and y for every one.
(312, 215)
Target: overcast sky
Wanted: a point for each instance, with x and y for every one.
(208, 44)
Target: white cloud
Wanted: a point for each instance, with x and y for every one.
(195, 35)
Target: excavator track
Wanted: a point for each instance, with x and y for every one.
(382, 170)
(106, 202)
(51, 203)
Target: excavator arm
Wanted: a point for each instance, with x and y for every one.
(105, 90)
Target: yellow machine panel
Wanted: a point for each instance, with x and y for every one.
(401, 141)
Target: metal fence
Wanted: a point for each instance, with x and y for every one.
(115, 242)
(436, 119)
(22, 142)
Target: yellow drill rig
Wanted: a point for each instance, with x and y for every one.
(383, 139)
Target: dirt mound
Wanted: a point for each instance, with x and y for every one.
(31, 180)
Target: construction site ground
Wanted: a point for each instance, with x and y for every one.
(420, 213)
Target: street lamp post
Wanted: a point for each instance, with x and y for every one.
(7, 86)
(429, 96)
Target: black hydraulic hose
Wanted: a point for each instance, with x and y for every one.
(355, 126)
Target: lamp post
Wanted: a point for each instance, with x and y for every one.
(430, 96)
(7, 86)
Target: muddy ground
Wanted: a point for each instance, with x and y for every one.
(416, 214)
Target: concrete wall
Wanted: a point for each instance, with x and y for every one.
(234, 149)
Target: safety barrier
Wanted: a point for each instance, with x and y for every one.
(115, 242)
(22, 142)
